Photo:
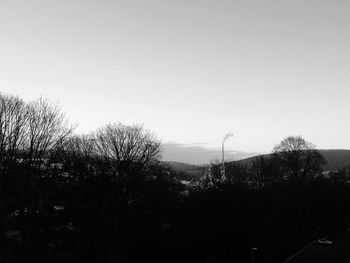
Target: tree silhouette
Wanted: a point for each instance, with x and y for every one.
(298, 157)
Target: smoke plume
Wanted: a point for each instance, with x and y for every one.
(227, 136)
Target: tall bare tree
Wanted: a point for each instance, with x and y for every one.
(298, 157)
(128, 148)
(13, 127)
(128, 151)
(12, 135)
(48, 128)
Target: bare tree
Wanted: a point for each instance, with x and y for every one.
(128, 149)
(298, 157)
(13, 131)
(31, 130)
(13, 128)
(48, 128)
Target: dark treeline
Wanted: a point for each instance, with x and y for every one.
(107, 197)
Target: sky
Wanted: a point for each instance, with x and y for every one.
(189, 70)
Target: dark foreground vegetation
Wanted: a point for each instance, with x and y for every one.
(106, 197)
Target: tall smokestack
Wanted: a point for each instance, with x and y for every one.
(227, 136)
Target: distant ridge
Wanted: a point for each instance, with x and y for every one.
(336, 159)
(189, 169)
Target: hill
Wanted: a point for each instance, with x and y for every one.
(336, 159)
(185, 169)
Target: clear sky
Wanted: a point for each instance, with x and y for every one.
(189, 70)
